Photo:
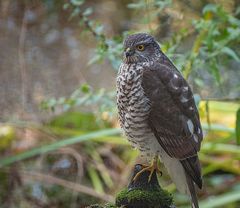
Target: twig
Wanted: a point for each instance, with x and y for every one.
(147, 9)
(21, 59)
(225, 99)
(89, 27)
(48, 179)
(78, 158)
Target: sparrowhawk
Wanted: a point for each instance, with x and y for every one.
(157, 111)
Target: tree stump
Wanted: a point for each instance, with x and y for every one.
(141, 193)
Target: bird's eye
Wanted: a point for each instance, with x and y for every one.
(140, 47)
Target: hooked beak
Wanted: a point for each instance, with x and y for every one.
(128, 52)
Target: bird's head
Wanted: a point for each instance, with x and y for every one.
(140, 47)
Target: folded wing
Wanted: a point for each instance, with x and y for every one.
(174, 117)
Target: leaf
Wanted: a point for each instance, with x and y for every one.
(197, 99)
(219, 148)
(163, 4)
(221, 200)
(77, 2)
(66, 6)
(208, 115)
(7, 135)
(138, 5)
(230, 52)
(85, 88)
(215, 71)
(88, 11)
(56, 145)
(96, 58)
(99, 29)
(75, 13)
(96, 181)
(210, 8)
(237, 11)
(238, 126)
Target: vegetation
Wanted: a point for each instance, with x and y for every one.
(79, 156)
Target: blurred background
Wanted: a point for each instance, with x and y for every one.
(60, 142)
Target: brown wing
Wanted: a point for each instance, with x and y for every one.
(174, 117)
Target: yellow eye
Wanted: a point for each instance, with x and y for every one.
(140, 47)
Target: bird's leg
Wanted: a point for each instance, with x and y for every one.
(151, 168)
(154, 166)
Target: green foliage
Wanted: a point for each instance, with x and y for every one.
(238, 126)
(56, 145)
(99, 101)
(4, 185)
(110, 48)
(108, 205)
(216, 38)
(159, 4)
(223, 200)
(78, 120)
(215, 46)
(7, 135)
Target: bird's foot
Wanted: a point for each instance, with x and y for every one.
(151, 168)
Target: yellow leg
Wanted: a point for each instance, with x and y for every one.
(150, 168)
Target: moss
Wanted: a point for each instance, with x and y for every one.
(95, 206)
(156, 198)
(108, 205)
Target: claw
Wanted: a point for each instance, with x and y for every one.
(146, 168)
(150, 168)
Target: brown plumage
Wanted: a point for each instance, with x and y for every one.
(158, 113)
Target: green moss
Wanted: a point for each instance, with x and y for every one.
(156, 198)
(108, 205)
(95, 206)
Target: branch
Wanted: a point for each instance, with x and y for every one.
(47, 179)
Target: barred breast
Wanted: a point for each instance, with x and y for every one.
(134, 108)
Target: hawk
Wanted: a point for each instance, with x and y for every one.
(157, 112)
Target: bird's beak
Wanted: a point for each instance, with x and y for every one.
(128, 52)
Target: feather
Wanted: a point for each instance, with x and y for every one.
(192, 192)
(174, 119)
(169, 117)
(193, 169)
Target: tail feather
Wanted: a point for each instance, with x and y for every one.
(192, 191)
(192, 167)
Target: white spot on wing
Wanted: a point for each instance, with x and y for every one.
(190, 126)
(199, 130)
(195, 138)
(183, 99)
(185, 88)
(175, 76)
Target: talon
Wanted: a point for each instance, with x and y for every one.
(140, 172)
(150, 176)
(150, 168)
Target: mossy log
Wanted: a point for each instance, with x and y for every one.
(141, 193)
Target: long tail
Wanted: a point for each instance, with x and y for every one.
(184, 174)
(192, 170)
(192, 191)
